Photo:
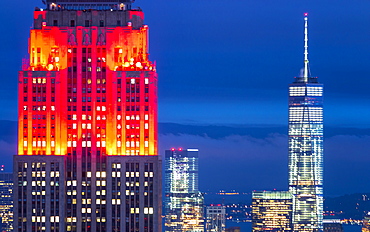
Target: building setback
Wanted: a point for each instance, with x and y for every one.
(87, 147)
(306, 148)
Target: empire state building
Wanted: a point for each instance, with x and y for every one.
(87, 141)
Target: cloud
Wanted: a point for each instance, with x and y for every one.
(347, 159)
(247, 163)
(236, 162)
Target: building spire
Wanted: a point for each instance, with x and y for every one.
(306, 69)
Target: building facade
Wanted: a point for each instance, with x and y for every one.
(333, 227)
(87, 147)
(215, 218)
(366, 223)
(183, 201)
(233, 229)
(6, 201)
(306, 148)
(272, 211)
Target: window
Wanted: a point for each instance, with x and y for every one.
(72, 24)
(101, 23)
(55, 23)
(87, 23)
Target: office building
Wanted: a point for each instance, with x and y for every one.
(333, 227)
(183, 201)
(87, 147)
(6, 201)
(272, 211)
(306, 147)
(215, 218)
(366, 223)
(233, 229)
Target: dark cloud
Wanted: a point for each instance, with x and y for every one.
(259, 160)
(236, 162)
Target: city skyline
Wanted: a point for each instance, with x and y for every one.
(286, 65)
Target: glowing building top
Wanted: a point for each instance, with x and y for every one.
(89, 82)
(305, 76)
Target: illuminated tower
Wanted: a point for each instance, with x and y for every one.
(306, 147)
(87, 147)
(183, 201)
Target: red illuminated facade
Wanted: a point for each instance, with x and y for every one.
(87, 140)
(88, 86)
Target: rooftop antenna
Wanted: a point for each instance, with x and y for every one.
(305, 71)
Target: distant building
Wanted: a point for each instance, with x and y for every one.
(233, 229)
(333, 227)
(215, 215)
(6, 201)
(183, 201)
(272, 210)
(366, 223)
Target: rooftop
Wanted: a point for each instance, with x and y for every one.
(88, 4)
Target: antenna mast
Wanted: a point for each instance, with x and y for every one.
(305, 72)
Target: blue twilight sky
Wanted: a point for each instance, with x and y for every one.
(228, 63)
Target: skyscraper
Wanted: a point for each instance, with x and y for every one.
(183, 201)
(272, 211)
(87, 147)
(306, 147)
(216, 218)
(6, 201)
